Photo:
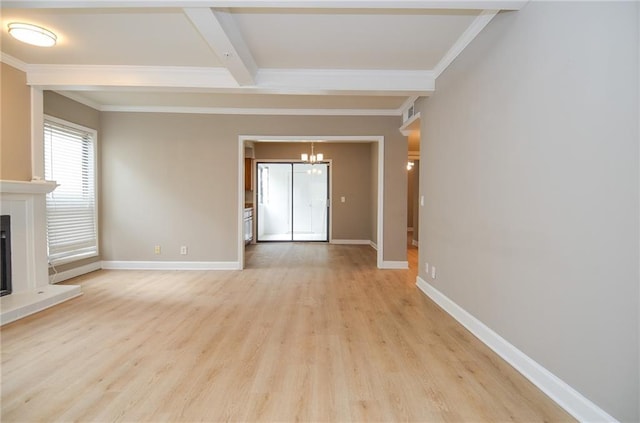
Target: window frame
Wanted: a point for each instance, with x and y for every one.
(94, 140)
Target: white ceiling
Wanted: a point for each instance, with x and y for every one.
(352, 57)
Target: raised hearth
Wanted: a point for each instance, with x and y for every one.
(25, 203)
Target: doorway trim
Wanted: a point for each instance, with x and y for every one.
(305, 139)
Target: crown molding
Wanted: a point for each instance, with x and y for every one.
(464, 40)
(13, 62)
(270, 4)
(251, 111)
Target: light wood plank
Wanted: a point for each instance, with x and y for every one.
(308, 332)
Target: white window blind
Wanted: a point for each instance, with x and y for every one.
(69, 156)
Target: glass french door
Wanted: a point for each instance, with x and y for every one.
(292, 202)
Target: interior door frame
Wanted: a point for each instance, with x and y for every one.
(379, 139)
(329, 163)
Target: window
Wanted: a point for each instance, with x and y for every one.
(69, 157)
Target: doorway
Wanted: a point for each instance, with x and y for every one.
(378, 142)
(292, 201)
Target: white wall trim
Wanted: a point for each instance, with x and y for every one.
(380, 223)
(316, 4)
(246, 111)
(465, 39)
(170, 265)
(373, 245)
(351, 241)
(241, 201)
(564, 395)
(13, 62)
(394, 265)
(415, 243)
(76, 271)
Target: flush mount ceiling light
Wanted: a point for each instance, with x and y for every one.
(32, 34)
(313, 158)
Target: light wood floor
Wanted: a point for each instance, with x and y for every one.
(309, 332)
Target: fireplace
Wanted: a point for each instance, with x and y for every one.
(24, 252)
(5, 255)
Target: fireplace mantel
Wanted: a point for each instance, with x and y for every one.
(25, 202)
(27, 187)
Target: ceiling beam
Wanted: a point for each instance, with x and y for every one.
(268, 81)
(220, 31)
(249, 111)
(344, 81)
(81, 77)
(279, 4)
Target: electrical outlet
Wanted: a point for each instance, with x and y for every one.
(426, 267)
(157, 249)
(433, 272)
(183, 250)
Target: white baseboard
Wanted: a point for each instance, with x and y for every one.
(76, 271)
(394, 265)
(564, 395)
(351, 241)
(415, 243)
(373, 245)
(171, 265)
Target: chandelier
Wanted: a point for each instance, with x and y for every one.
(313, 157)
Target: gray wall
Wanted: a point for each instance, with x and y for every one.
(64, 108)
(171, 180)
(351, 177)
(530, 173)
